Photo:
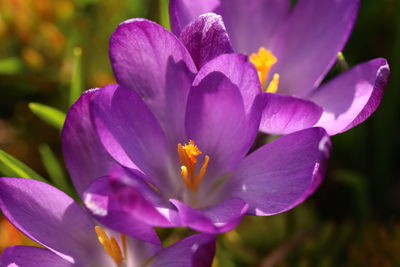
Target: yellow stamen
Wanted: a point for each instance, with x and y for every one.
(111, 245)
(273, 85)
(188, 159)
(263, 60)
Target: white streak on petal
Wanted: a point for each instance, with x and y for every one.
(97, 204)
(260, 212)
(323, 145)
(316, 168)
(195, 247)
(244, 188)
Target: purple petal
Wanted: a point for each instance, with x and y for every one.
(353, 96)
(128, 129)
(252, 24)
(287, 114)
(217, 122)
(24, 256)
(307, 44)
(130, 196)
(100, 200)
(220, 218)
(241, 73)
(51, 218)
(150, 60)
(182, 12)
(206, 38)
(139, 252)
(283, 173)
(194, 251)
(85, 157)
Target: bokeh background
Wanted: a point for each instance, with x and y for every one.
(51, 49)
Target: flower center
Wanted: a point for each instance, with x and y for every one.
(263, 60)
(111, 245)
(188, 158)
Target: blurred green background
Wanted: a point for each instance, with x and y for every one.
(51, 49)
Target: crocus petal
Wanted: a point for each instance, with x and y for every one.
(138, 252)
(206, 38)
(220, 218)
(182, 12)
(51, 218)
(127, 128)
(150, 60)
(252, 24)
(100, 200)
(85, 157)
(131, 195)
(353, 96)
(217, 122)
(194, 251)
(307, 44)
(24, 256)
(287, 114)
(241, 73)
(283, 173)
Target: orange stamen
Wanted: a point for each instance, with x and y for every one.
(111, 245)
(123, 240)
(188, 159)
(202, 172)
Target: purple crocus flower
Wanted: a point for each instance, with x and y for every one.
(178, 139)
(72, 238)
(293, 48)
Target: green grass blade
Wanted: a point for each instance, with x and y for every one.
(52, 116)
(164, 14)
(12, 167)
(76, 79)
(54, 168)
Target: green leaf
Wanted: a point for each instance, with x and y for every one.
(11, 65)
(12, 167)
(54, 168)
(52, 116)
(76, 79)
(164, 14)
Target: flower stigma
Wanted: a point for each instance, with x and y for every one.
(188, 158)
(111, 245)
(264, 60)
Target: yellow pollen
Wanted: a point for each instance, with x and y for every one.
(263, 60)
(273, 85)
(188, 159)
(111, 245)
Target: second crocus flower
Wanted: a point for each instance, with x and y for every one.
(293, 48)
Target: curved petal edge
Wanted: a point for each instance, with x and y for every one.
(353, 96)
(282, 174)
